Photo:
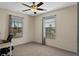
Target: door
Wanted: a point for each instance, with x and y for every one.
(48, 28)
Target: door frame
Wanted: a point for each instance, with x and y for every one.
(43, 39)
(43, 18)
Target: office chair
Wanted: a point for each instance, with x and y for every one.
(5, 51)
(8, 39)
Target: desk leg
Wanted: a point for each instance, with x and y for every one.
(10, 49)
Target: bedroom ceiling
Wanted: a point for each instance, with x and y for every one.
(49, 6)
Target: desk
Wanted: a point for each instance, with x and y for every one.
(4, 45)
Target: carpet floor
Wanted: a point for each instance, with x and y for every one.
(34, 49)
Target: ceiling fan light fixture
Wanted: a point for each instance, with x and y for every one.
(34, 10)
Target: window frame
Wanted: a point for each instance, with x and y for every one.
(43, 21)
(10, 23)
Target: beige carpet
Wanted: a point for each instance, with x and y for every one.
(34, 49)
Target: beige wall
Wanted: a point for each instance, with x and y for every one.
(66, 29)
(28, 27)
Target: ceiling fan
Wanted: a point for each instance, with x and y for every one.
(34, 7)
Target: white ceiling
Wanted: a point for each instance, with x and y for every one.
(49, 6)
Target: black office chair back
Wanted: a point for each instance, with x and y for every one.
(9, 38)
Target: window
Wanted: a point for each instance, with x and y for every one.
(16, 26)
(50, 27)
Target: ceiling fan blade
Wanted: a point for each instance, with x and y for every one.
(26, 10)
(26, 5)
(34, 12)
(41, 9)
(38, 5)
(34, 3)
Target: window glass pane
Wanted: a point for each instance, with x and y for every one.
(20, 20)
(12, 25)
(50, 28)
(20, 25)
(16, 26)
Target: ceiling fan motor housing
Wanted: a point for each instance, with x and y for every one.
(34, 8)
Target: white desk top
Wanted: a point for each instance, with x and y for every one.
(3, 45)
